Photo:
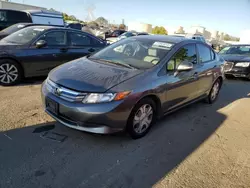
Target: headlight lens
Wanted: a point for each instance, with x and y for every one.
(242, 64)
(105, 97)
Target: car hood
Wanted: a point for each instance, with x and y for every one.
(236, 58)
(9, 46)
(3, 34)
(88, 76)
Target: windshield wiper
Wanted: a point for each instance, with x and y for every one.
(114, 62)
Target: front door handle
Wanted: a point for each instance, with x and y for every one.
(195, 75)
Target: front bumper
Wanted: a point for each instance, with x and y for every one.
(239, 72)
(100, 118)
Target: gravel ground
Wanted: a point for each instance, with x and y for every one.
(199, 146)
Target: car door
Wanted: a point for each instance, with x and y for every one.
(81, 44)
(41, 60)
(181, 87)
(207, 63)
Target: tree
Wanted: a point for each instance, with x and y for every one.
(122, 26)
(159, 30)
(101, 21)
(227, 37)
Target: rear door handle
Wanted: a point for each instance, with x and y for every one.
(64, 49)
(91, 49)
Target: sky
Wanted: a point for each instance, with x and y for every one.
(229, 16)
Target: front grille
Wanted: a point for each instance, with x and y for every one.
(64, 93)
(228, 66)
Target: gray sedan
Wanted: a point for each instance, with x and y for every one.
(130, 84)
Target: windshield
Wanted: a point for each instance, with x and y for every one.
(13, 28)
(128, 34)
(140, 53)
(236, 50)
(24, 36)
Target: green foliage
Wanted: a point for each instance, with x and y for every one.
(227, 37)
(159, 30)
(122, 26)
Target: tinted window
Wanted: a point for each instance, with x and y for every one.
(14, 16)
(3, 16)
(186, 53)
(79, 39)
(204, 53)
(18, 16)
(55, 38)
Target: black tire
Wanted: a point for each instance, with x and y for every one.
(228, 77)
(210, 98)
(130, 124)
(14, 74)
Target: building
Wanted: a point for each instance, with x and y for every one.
(18, 6)
(199, 30)
(175, 30)
(140, 27)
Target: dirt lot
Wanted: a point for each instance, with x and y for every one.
(199, 146)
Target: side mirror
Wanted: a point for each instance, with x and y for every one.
(41, 44)
(185, 66)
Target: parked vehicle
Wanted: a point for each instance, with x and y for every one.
(10, 17)
(111, 38)
(129, 84)
(237, 59)
(14, 28)
(199, 37)
(130, 34)
(77, 26)
(35, 50)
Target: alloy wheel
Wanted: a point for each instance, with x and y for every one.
(143, 118)
(215, 91)
(8, 73)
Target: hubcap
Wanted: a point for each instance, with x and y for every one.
(8, 73)
(215, 90)
(143, 118)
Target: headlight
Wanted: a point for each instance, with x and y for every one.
(105, 97)
(243, 64)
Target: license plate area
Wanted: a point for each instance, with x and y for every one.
(52, 106)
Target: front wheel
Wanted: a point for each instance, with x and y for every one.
(10, 72)
(214, 92)
(141, 118)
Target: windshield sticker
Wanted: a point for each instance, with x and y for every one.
(20, 26)
(38, 29)
(163, 45)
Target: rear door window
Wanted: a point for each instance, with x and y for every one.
(204, 53)
(79, 39)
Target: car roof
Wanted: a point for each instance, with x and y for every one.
(239, 45)
(47, 27)
(165, 38)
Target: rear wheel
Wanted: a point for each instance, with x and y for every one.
(10, 72)
(141, 118)
(214, 92)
